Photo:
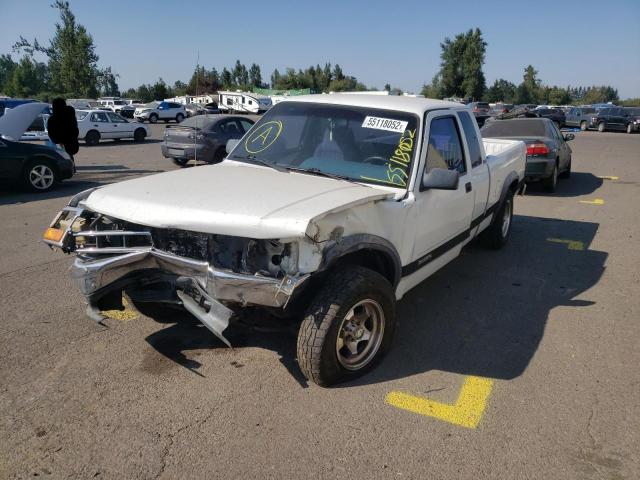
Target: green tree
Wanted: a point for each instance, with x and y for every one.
(501, 91)
(28, 78)
(107, 84)
(240, 75)
(179, 88)
(433, 89)
(7, 66)
(255, 76)
(473, 80)
(72, 60)
(226, 79)
(159, 90)
(529, 90)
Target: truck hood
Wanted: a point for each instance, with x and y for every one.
(230, 198)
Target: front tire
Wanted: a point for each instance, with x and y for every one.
(139, 135)
(153, 118)
(181, 162)
(179, 118)
(601, 127)
(348, 327)
(629, 128)
(584, 126)
(39, 176)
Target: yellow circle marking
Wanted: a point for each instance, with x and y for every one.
(263, 137)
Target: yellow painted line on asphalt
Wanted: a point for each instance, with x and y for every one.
(571, 244)
(609, 177)
(466, 412)
(595, 201)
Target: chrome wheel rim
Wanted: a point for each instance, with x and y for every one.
(360, 334)
(506, 219)
(41, 177)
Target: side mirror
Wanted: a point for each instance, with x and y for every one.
(568, 137)
(231, 144)
(440, 179)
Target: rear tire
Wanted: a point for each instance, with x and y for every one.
(497, 234)
(139, 135)
(550, 183)
(39, 176)
(629, 128)
(218, 156)
(348, 327)
(181, 162)
(179, 118)
(584, 126)
(92, 138)
(567, 172)
(601, 127)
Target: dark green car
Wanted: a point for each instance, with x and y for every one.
(548, 154)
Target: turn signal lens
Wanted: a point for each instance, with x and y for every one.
(53, 234)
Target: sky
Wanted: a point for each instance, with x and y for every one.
(568, 42)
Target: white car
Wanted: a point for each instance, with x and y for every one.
(160, 111)
(329, 210)
(96, 125)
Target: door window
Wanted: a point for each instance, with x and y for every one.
(445, 148)
(246, 125)
(116, 118)
(473, 142)
(99, 117)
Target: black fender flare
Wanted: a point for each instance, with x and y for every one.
(363, 241)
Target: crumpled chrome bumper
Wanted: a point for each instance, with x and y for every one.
(93, 275)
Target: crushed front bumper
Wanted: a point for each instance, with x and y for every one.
(203, 289)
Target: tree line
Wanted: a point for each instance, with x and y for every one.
(71, 70)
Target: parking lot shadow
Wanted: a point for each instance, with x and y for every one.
(484, 314)
(580, 183)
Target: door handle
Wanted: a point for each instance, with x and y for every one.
(467, 187)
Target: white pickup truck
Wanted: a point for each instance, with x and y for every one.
(330, 209)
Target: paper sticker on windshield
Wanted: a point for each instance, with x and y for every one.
(388, 124)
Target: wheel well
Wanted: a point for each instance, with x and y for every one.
(92, 131)
(372, 259)
(41, 158)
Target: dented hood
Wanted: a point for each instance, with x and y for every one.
(230, 198)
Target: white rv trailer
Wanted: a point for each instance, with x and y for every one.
(243, 102)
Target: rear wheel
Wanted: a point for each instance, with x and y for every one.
(218, 156)
(348, 327)
(139, 135)
(179, 117)
(584, 126)
(92, 138)
(181, 162)
(39, 176)
(497, 235)
(629, 128)
(601, 127)
(567, 172)
(550, 183)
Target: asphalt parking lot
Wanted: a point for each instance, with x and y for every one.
(518, 363)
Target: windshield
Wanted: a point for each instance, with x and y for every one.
(199, 121)
(514, 128)
(360, 144)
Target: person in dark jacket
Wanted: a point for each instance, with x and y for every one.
(63, 127)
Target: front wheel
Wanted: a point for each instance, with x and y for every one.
(139, 135)
(629, 128)
(348, 327)
(601, 127)
(181, 162)
(584, 126)
(179, 118)
(39, 176)
(92, 138)
(153, 118)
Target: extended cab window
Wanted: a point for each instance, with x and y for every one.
(473, 142)
(444, 149)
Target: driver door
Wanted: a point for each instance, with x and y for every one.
(442, 217)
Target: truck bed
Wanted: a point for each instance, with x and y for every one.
(503, 157)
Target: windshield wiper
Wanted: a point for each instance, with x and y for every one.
(259, 161)
(317, 171)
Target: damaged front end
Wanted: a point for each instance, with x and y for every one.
(208, 274)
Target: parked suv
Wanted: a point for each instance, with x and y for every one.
(160, 111)
(554, 114)
(579, 117)
(618, 118)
